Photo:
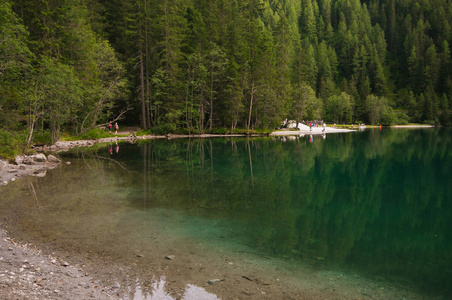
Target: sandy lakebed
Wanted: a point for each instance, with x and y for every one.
(36, 268)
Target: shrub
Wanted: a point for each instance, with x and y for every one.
(143, 132)
(164, 129)
(388, 116)
(402, 119)
(11, 144)
(220, 131)
(446, 119)
(42, 137)
(94, 134)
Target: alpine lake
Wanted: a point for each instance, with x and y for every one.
(372, 206)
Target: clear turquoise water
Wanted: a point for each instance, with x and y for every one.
(378, 203)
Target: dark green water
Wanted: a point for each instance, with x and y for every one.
(376, 203)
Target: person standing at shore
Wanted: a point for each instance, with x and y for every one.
(324, 127)
(109, 127)
(116, 128)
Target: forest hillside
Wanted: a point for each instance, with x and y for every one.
(217, 65)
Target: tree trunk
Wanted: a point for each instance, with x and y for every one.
(54, 130)
(251, 109)
(147, 57)
(187, 93)
(142, 91)
(142, 86)
(30, 132)
(211, 97)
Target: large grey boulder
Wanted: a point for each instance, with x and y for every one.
(40, 157)
(35, 158)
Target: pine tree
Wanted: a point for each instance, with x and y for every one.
(431, 69)
(309, 21)
(445, 70)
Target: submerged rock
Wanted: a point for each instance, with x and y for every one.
(53, 159)
(39, 173)
(213, 281)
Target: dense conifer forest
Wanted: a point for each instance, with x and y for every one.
(217, 65)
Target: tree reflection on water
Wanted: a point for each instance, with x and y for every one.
(377, 202)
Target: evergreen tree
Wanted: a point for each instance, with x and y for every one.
(14, 62)
(308, 21)
(431, 69)
(198, 64)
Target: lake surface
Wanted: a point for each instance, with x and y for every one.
(376, 203)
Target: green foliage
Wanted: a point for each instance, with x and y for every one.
(164, 128)
(220, 131)
(94, 134)
(191, 66)
(11, 144)
(14, 53)
(43, 137)
(14, 63)
(446, 119)
(141, 132)
(402, 119)
(305, 106)
(378, 111)
(338, 108)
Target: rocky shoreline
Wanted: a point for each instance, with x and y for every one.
(38, 164)
(27, 273)
(27, 165)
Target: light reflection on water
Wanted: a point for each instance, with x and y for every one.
(192, 292)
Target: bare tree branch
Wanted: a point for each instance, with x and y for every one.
(119, 117)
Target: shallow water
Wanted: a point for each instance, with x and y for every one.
(374, 203)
